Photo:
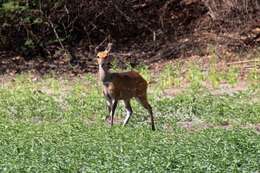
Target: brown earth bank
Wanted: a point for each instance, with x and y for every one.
(142, 32)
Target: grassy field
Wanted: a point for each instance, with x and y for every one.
(56, 124)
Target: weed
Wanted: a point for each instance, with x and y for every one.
(195, 76)
(254, 77)
(170, 76)
(232, 75)
(46, 128)
(145, 72)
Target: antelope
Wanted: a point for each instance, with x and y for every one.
(122, 86)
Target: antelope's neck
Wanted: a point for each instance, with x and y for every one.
(104, 74)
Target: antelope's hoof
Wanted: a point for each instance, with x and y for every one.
(108, 119)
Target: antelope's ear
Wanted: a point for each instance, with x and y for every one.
(103, 55)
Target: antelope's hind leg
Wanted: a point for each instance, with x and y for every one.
(129, 111)
(144, 102)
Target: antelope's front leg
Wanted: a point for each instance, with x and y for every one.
(109, 104)
(112, 113)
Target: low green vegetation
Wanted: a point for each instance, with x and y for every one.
(74, 147)
(52, 124)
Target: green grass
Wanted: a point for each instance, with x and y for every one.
(56, 125)
(73, 147)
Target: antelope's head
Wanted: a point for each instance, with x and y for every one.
(104, 59)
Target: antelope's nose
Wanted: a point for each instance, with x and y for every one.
(98, 61)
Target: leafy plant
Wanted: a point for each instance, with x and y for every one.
(170, 76)
(232, 75)
(56, 125)
(11, 6)
(195, 76)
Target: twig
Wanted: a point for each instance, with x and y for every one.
(243, 62)
(131, 20)
(253, 66)
(56, 34)
(138, 6)
(164, 10)
(123, 14)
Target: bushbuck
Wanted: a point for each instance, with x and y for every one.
(122, 86)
